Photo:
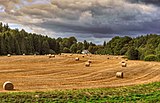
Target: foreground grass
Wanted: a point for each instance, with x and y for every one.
(148, 93)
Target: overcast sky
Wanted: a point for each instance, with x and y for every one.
(93, 20)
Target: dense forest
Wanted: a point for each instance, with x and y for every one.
(140, 48)
(13, 41)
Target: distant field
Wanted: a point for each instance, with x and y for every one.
(39, 73)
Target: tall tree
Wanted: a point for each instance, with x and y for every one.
(133, 54)
(7, 43)
(80, 46)
(86, 45)
(72, 40)
(1, 27)
(2, 46)
(73, 48)
(158, 49)
(17, 48)
(45, 47)
(104, 44)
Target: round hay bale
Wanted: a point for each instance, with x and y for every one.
(36, 96)
(8, 86)
(89, 61)
(87, 64)
(119, 75)
(123, 61)
(83, 56)
(50, 56)
(23, 54)
(53, 56)
(77, 59)
(9, 55)
(124, 64)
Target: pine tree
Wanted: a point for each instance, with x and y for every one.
(104, 44)
(86, 45)
(45, 47)
(17, 48)
(7, 44)
(2, 46)
(133, 54)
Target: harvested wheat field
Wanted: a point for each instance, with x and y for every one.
(40, 73)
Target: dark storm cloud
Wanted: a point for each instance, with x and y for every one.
(66, 27)
(154, 2)
(85, 18)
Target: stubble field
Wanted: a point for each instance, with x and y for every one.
(39, 73)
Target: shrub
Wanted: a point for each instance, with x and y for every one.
(151, 58)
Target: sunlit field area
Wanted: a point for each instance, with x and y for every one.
(41, 73)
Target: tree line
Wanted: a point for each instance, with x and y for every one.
(140, 48)
(13, 41)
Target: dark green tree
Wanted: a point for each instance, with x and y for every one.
(158, 50)
(45, 47)
(85, 45)
(73, 48)
(66, 50)
(80, 46)
(57, 48)
(104, 43)
(133, 54)
(72, 40)
(93, 49)
(17, 48)
(2, 46)
(7, 44)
